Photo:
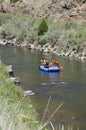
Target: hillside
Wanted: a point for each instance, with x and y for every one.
(66, 20)
(52, 9)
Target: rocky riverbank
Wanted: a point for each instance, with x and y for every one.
(47, 48)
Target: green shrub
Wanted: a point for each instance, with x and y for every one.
(43, 27)
(70, 24)
(21, 37)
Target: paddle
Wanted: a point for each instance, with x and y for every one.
(61, 67)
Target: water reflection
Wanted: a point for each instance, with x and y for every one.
(66, 127)
(54, 78)
(50, 78)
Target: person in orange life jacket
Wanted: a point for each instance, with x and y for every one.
(54, 63)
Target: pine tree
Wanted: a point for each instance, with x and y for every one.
(43, 27)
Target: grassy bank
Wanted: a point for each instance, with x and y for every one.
(16, 111)
(67, 35)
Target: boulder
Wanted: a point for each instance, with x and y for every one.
(3, 42)
(10, 70)
(15, 80)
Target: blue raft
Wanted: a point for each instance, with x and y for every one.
(50, 69)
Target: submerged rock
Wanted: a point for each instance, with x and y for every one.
(28, 93)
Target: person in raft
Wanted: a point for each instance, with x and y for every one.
(51, 64)
(45, 63)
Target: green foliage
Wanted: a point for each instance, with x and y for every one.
(19, 26)
(21, 37)
(16, 111)
(29, 30)
(43, 27)
(70, 24)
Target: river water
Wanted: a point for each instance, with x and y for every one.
(67, 87)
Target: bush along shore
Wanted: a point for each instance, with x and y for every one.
(16, 110)
(64, 38)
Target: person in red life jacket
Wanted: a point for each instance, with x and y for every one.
(45, 63)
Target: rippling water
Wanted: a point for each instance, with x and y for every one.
(67, 87)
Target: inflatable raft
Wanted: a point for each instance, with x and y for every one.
(50, 69)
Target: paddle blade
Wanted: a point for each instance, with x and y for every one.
(61, 67)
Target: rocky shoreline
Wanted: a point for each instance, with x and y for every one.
(17, 81)
(47, 48)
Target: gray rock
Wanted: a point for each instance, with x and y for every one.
(16, 80)
(28, 93)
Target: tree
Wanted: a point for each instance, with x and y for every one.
(43, 27)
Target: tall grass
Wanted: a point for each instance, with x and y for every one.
(16, 111)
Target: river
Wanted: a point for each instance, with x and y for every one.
(67, 87)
